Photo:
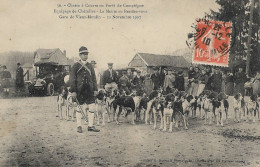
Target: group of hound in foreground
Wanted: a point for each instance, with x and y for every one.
(175, 107)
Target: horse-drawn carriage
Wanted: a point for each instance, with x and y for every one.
(49, 78)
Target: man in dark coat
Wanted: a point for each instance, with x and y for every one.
(216, 81)
(180, 81)
(110, 78)
(155, 77)
(84, 88)
(240, 79)
(19, 82)
(162, 76)
(229, 83)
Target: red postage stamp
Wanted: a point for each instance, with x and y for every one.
(212, 43)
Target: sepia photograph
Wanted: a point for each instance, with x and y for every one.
(131, 83)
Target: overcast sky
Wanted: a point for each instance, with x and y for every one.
(27, 25)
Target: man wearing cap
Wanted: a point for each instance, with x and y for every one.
(84, 88)
(110, 78)
(124, 83)
(155, 77)
(19, 82)
(138, 83)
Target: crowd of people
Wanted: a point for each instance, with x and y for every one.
(194, 82)
(143, 83)
(216, 80)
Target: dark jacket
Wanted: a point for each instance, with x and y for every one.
(138, 82)
(83, 82)
(229, 78)
(6, 76)
(124, 81)
(240, 77)
(107, 77)
(216, 82)
(191, 74)
(203, 78)
(156, 80)
(162, 78)
(208, 84)
(179, 82)
(19, 77)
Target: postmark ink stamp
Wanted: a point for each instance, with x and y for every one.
(212, 41)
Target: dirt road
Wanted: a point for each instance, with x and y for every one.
(31, 135)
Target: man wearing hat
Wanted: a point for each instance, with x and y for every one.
(84, 88)
(155, 77)
(138, 83)
(110, 78)
(19, 82)
(124, 83)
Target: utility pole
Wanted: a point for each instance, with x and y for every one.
(249, 37)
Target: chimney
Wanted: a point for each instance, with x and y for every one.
(64, 52)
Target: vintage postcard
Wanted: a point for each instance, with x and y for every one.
(130, 83)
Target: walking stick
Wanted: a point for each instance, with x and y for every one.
(81, 110)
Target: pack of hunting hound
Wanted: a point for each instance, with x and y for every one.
(172, 109)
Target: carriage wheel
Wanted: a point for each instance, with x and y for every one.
(50, 89)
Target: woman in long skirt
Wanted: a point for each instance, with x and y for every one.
(203, 79)
(195, 83)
